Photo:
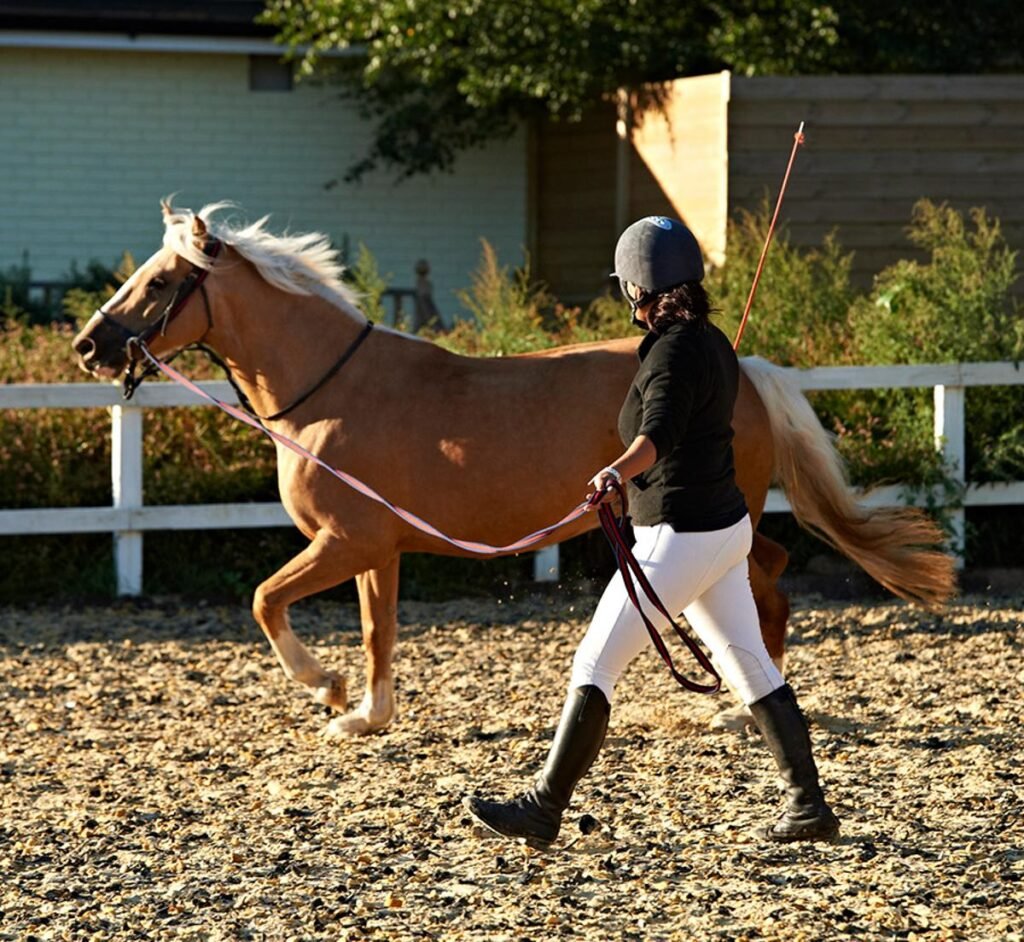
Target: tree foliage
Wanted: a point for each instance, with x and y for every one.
(440, 77)
(437, 78)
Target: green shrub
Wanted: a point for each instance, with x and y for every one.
(800, 312)
(17, 303)
(368, 282)
(506, 311)
(956, 305)
(509, 312)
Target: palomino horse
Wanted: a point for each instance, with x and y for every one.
(484, 449)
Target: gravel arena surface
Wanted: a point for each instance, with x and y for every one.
(161, 779)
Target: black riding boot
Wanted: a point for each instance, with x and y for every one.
(807, 817)
(537, 814)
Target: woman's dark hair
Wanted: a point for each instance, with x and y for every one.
(687, 303)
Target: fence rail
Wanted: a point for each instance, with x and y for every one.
(128, 518)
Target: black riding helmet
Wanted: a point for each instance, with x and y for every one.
(656, 254)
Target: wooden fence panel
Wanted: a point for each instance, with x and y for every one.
(575, 168)
(876, 145)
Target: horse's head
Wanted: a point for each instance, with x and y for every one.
(163, 304)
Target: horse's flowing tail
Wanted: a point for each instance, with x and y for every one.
(890, 544)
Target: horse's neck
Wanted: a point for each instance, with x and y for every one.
(278, 345)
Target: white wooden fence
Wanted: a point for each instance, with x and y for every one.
(128, 518)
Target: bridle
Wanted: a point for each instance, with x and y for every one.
(138, 352)
(134, 342)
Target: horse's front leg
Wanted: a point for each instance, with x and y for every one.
(378, 607)
(326, 562)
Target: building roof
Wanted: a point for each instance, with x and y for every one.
(167, 17)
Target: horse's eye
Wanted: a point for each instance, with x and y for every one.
(155, 286)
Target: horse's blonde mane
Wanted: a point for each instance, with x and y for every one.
(300, 264)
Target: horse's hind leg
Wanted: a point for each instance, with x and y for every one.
(319, 566)
(378, 608)
(767, 561)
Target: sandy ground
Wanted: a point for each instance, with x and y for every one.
(161, 779)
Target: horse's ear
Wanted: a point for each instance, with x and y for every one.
(165, 207)
(198, 229)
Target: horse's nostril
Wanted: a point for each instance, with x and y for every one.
(85, 347)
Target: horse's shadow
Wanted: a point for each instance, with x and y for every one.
(149, 620)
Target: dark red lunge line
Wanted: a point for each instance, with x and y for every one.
(630, 569)
(613, 527)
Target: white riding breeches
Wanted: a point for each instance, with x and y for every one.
(702, 575)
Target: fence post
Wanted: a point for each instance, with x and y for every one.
(950, 441)
(425, 310)
(546, 566)
(126, 483)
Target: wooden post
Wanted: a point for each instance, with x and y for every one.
(546, 564)
(425, 312)
(950, 441)
(126, 481)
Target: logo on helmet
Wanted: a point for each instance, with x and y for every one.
(660, 221)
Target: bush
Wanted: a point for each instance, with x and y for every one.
(17, 303)
(957, 305)
(506, 312)
(369, 284)
(800, 313)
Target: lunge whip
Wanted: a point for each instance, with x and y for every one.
(798, 139)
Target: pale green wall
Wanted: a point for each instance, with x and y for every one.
(90, 141)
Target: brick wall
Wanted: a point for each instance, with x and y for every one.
(90, 141)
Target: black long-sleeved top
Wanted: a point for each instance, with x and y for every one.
(682, 399)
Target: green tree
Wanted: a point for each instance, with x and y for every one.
(438, 78)
(879, 36)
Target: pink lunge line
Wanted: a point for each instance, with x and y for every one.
(471, 546)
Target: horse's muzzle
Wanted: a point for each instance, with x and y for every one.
(100, 347)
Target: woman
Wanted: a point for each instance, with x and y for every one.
(693, 534)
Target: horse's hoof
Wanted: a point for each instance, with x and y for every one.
(735, 719)
(356, 723)
(334, 693)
